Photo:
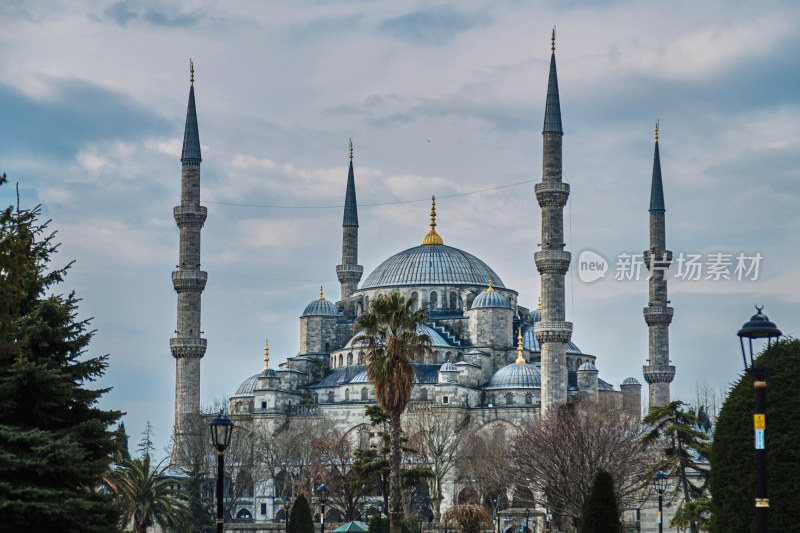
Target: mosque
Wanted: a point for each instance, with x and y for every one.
(491, 357)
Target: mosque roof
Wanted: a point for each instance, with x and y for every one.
(516, 376)
(432, 264)
(448, 367)
(630, 381)
(588, 365)
(248, 386)
(530, 343)
(191, 137)
(437, 340)
(425, 374)
(320, 307)
(489, 298)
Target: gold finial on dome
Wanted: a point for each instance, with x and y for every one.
(656, 131)
(432, 237)
(321, 297)
(553, 41)
(351, 149)
(266, 354)
(520, 359)
(191, 72)
(539, 307)
(490, 289)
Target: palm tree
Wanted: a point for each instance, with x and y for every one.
(392, 338)
(146, 496)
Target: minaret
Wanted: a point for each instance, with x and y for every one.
(189, 281)
(552, 331)
(349, 272)
(658, 372)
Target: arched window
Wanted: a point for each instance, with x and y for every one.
(330, 397)
(360, 358)
(447, 357)
(528, 398)
(415, 295)
(341, 360)
(509, 399)
(347, 395)
(316, 397)
(423, 395)
(364, 394)
(436, 360)
(366, 303)
(349, 358)
(453, 300)
(327, 347)
(434, 301)
(363, 438)
(578, 363)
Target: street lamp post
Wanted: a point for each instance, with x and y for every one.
(287, 503)
(660, 482)
(547, 518)
(497, 510)
(527, 513)
(221, 431)
(380, 517)
(322, 492)
(759, 327)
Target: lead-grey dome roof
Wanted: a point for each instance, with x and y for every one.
(321, 308)
(248, 386)
(516, 376)
(530, 343)
(630, 381)
(432, 265)
(489, 299)
(588, 365)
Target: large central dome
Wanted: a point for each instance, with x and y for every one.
(432, 265)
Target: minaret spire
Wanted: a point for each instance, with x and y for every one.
(349, 272)
(552, 261)
(658, 315)
(432, 237)
(187, 346)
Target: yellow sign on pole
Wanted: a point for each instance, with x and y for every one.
(759, 422)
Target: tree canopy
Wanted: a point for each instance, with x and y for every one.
(733, 467)
(56, 443)
(601, 513)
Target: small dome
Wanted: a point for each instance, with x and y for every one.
(516, 376)
(269, 373)
(530, 343)
(321, 308)
(631, 381)
(248, 386)
(448, 367)
(490, 299)
(587, 366)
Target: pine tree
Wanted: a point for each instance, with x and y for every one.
(601, 514)
(146, 444)
(55, 444)
(300, 519)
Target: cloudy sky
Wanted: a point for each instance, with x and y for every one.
(443, 98)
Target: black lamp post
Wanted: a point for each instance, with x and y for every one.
(759, 327)
(497, 510)
(221, 431)
(322, 493)
(380, 517)
(527, 513)
(287, 502)
(547, 518)
(660, 482)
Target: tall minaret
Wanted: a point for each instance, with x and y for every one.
(189, 281)
(350, 271)
(658, 315)
(552, 331)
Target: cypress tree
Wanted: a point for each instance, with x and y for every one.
(55, 444)
(301, 520)
(601, 514)
(733, 466)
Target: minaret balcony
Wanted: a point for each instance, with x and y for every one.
(187, 347)
(190, 216)
(552, 193)
(349, 273)
(657, 315)
(662, 259)
(189, 280)
(552, 261)
(552, 331)
(658, 373)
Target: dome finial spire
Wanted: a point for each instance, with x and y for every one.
(490, 289)
(539, 306)
(553, 41)
(321, 296)
(656, 130)
(520, 359)
(432, 237)
(266, 354)
(351, 149)
(191, 72)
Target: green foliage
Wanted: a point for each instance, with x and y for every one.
(201, 512)
(147, 497)
(471, 517)
(686, 451)
(376, 525)
(146, 444)
(121, 440)
(733, 456)
(56, 444)
(695, 512)
(300, 518)
(601, 514)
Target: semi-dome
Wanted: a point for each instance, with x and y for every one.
(516, 376)
(320, 307)
(248, 386)
(431, 265)
(269, 373)
(448, 367)
(630, 381)
(588, 365)
(489, 298)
